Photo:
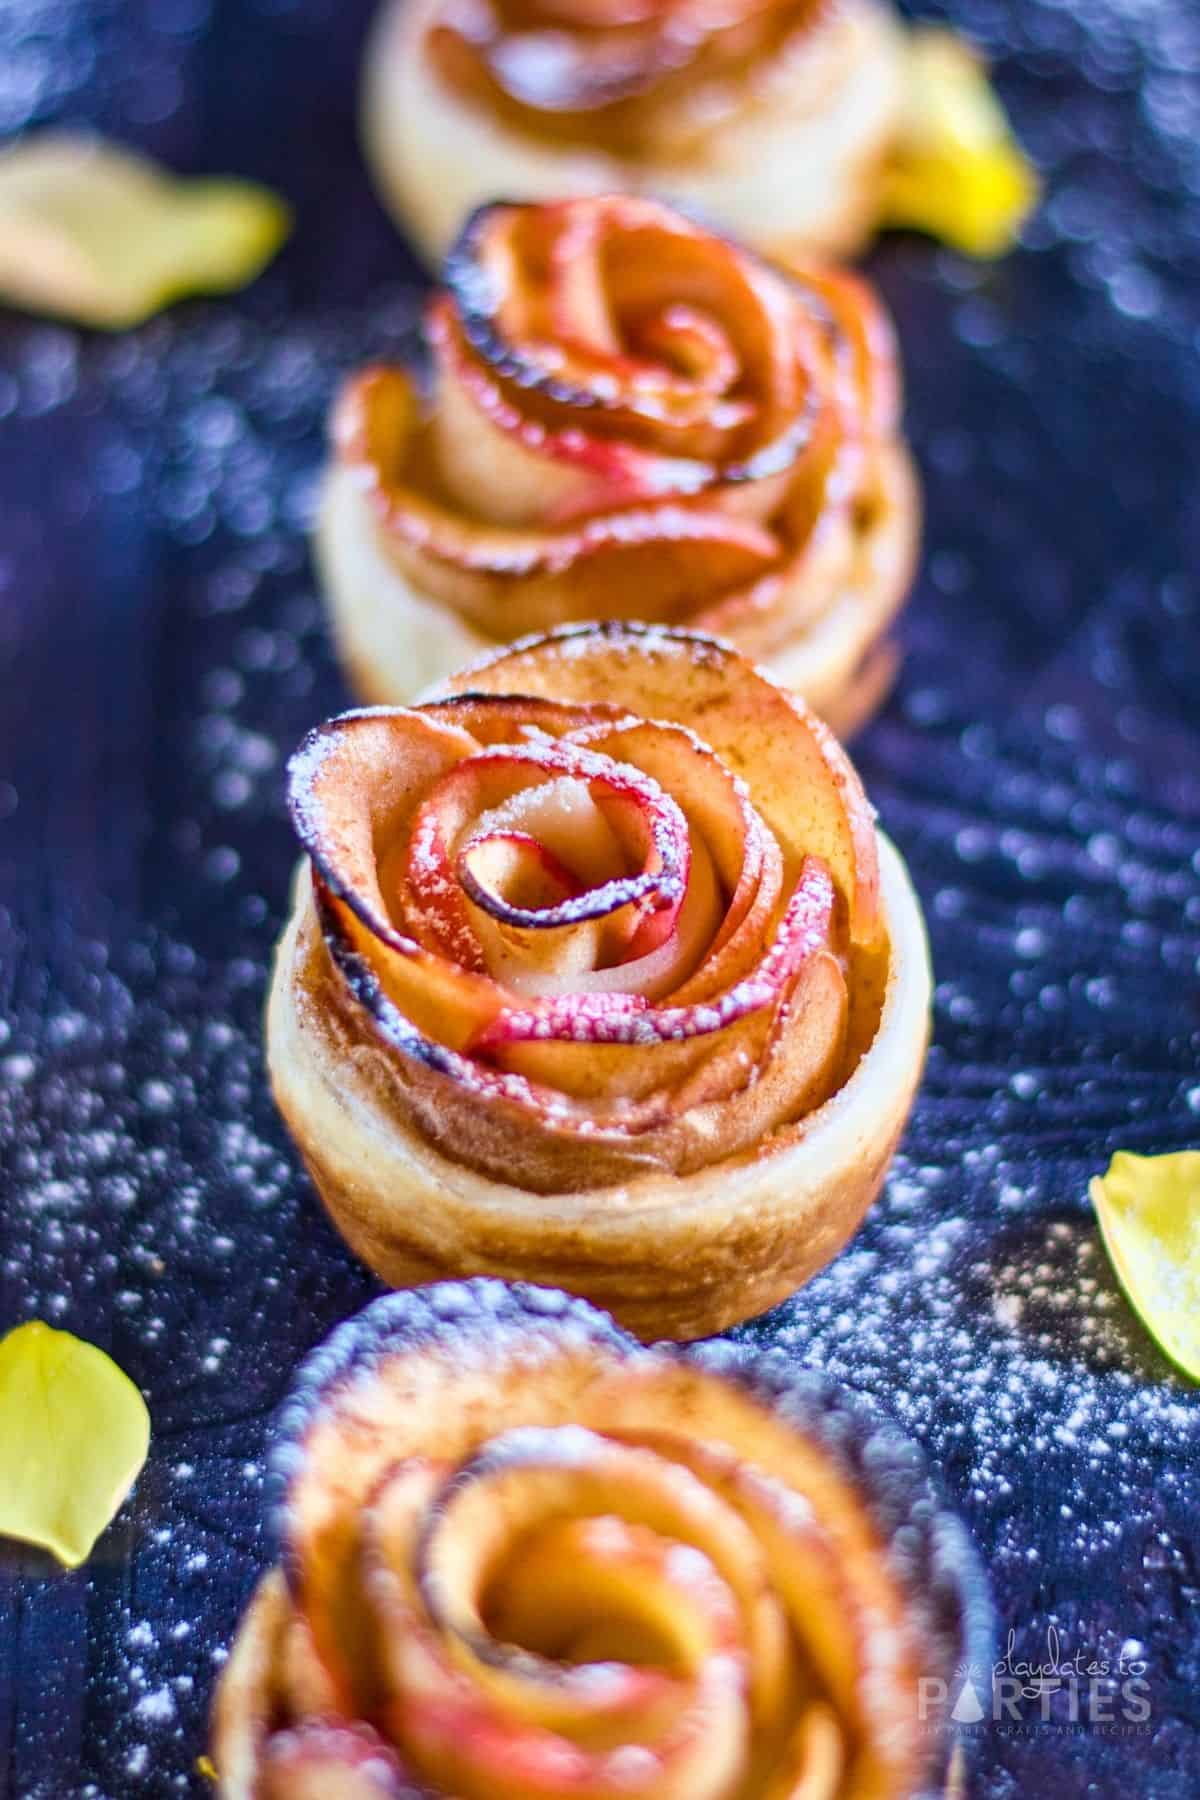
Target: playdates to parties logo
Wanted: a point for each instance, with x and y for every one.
(1053, 1689)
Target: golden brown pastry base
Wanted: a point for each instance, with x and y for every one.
(669, 1256)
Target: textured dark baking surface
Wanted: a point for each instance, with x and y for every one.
(161, 650)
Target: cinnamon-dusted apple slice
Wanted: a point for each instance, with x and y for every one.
(590, 1572)
(599, 971)
(631, 419)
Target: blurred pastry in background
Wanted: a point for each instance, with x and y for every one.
(800, 125)
(630, 418)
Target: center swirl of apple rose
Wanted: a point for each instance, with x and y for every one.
(623, 322)
(610, 71)
(557, 869)
(578, 922)
(523, 1561)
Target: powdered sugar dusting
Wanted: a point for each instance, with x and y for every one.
(154, 565)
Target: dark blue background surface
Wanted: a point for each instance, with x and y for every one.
(161, 650)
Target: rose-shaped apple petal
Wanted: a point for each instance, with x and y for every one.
(75, 1431)
(615, 1043)
(497, 1719)
(498, 461)
(511, 579)
(618, 838)
(550, 1688)
(95, 233)
(805, 785)
(600, 1590)
(1149, 1213)
(353, 789)
(865, 334)
(519, 718)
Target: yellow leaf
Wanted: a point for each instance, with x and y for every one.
(957, 172)
(74, 1431)
(94, 233)
(1149, 1213)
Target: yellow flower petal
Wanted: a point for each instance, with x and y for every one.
(1149, 1213)
(93, 233)
(957, 173)
(74, 1431)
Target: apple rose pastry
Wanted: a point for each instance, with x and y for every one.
(632, 418)
(799, 125)
(520, 1558)
(598, 972)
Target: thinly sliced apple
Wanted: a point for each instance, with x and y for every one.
(354, 785)
(654, 557)
(799, 777)
(497, 456)
(869, 336)
(437, 1682)
(532, 1478)
(472, 1744)
(617, 1044)
(558, 301)
(624, 839)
